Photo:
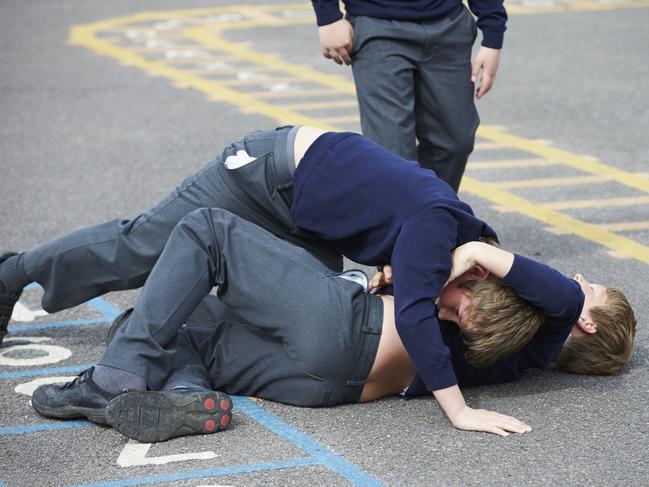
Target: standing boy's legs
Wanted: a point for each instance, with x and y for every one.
(265, 281)
(413, 82)
(119, 254)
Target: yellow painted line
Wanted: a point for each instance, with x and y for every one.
(311, 92)
(257, 81)
(341, 119)
(625, 226)
(598, 203)
(553, 218)
(545, 182)
(509, 163)
(581, 163)
(323, 105)
(488, 146)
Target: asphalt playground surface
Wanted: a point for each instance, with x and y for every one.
(106, 106)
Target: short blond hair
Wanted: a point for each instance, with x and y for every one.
(610, 348)
(499, 322)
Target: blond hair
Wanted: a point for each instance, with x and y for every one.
(499, 322)
(610, 348)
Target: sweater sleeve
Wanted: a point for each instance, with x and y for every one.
(421, 263)
(492, 20)
(326, 11)
(561, 300)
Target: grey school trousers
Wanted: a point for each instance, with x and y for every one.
(413, 82)
(120, 254)
(287, 328)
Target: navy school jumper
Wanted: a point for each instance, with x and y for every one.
(491, 13)
(377, 208)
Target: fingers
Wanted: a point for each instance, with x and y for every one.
(387, 272)
(376, 281)
(340, 56)
(508, 423)
(475, 70)
(486, 83)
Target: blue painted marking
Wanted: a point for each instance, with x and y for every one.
(59, 324)
(34, 428)
(106, 309)
(318, 451)
(208, 472)
(75, 369)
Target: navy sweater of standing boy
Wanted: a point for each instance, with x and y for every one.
(491, 13)
(377, 208)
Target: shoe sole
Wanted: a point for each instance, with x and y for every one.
(70, 412)
(154, 416)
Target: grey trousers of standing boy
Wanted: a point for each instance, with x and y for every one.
(413, 82)
(120, 254)
(291, 330)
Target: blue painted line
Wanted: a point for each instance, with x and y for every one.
(59, 324)
(107, 310)
(318, 451)
(35, 428)
(209, 472)
(75, 369)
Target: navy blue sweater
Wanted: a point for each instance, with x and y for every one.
(377, 208)
(560, 298)
(490, 13)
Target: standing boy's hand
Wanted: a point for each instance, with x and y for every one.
(485, 67)
(336, 41)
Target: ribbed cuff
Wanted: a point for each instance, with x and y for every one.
(492, 38)
(327, 14)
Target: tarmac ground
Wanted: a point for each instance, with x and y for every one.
(106, 106)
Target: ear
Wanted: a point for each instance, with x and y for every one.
(587, 326)
(477, 273)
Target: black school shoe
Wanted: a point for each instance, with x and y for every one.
(117, 324)
(154, 416)
(75, 399)
(7, 302)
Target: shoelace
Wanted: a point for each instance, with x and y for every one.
(79, 379)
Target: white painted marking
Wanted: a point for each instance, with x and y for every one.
(280, 87)
(248, 75)
(52, 353)
(155, 43)
(28, 388)
(222, 18)
(188, 54)
(134, 455)
(216, 65)
(140, 33)
(23, 314)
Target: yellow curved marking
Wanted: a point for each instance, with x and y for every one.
(210, 38)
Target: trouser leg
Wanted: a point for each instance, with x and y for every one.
(120, 254)
(264, 280)
(383, 65)
(446, 115)
(188, 369)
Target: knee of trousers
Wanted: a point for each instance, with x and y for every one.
(454, 147)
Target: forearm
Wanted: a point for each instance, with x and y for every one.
(451, 401)
(497, 261)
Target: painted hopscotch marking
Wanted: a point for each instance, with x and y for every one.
(301, 94)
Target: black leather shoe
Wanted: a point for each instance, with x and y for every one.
(118, 322)
(76, 399)
(7, 302)
(152, 416)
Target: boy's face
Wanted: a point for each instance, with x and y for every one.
(453, 304)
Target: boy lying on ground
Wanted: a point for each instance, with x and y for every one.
(328, 205)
